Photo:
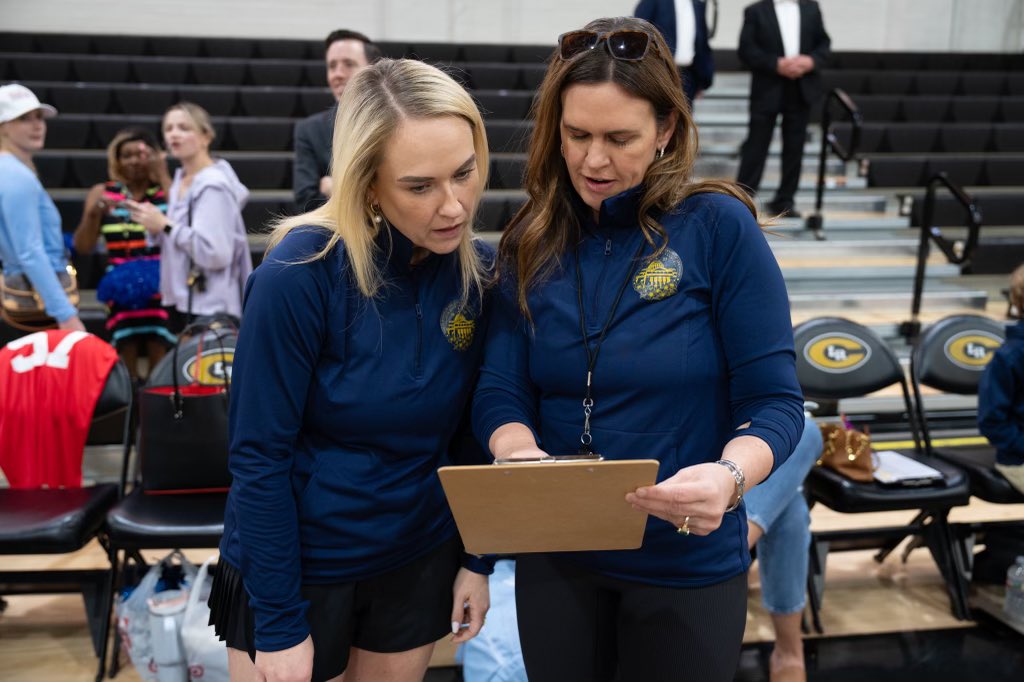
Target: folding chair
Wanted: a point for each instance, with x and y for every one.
(839, 359)
(64, 520)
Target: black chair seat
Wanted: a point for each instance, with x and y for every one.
(159, 521)
(986, 482)
(52, 521)
(844, 495)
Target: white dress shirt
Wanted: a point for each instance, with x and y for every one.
(686, 32)
(788, 14)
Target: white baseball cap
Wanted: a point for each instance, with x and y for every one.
(17, 100)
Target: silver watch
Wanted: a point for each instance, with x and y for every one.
(741, 480)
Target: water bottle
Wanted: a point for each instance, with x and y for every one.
(1014, 604)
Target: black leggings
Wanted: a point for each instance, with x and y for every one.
(576, 625)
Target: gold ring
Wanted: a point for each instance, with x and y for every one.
(685, 528)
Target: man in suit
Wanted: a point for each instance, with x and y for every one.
(784, 44)
(683, 23)
(346, 53)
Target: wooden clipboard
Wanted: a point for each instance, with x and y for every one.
(548, 506)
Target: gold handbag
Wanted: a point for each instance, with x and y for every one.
(847, 451)
(22, 307)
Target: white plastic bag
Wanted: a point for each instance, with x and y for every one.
(133, 616)
(206, 655)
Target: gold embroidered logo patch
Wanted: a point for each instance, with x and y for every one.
(210, 367)
(972, 349)
(458, 326)
(837, 353)
(659, 277)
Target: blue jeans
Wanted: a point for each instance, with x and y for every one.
(779, 508)
(494, 655)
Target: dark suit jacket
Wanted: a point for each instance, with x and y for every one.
(313, 138)
(662, 13)
(761, 46)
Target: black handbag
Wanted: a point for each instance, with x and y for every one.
(183, 429)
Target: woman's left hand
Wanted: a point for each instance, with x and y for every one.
(147, 215)
(471, 600)
(694, 499)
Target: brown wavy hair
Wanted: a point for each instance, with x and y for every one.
(546, 226)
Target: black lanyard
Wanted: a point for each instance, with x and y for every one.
(588, 401)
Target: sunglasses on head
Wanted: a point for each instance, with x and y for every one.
(627, 45)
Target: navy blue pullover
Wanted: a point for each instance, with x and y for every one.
(1001, 398)
(342, 409)
(700, 344)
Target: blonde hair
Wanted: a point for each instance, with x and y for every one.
(546, 225)
(373, 106)
(200, 117)
(1017, 290)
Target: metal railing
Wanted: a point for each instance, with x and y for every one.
(713, 24)
(956, 251)
(829, 141)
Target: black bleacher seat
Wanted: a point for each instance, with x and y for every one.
(997, 208)
(890, 82)
(965, 138)
(220, 71)
(936, 82)
(435, 52)
(289, 49)
(1008, 171)
(1008, 137)
(459, 71)
(64, 43)
(900, 171)
(913, 138)
(855, 60)
(983, 83)
(105, 127)
(260, 212)
(926, 108)
(17, 42)
(486, 53)
(507, 171)
(903, 61)
(277, 72)
(388, 48)
(102, 69)
(1015, 84)
(975, 109)
(538, 54)
(162, 70)
(871, 140)
(52, 169)
(261, 134)
(508, 136)
(853, 82)
(258, 171)
(492, 214)
(71, 131)
(315, 74)
(533, 75)
(70, 210)
(229, 48)
(177, 46)
(962, 170)
(494, 76)
(218, 100)
(269, 102)
(87, 169)
(314, 101)
(37, 67)
(1011, 110)
(120, 45)
(80, 98)
(880, 108)
(511, 105)
(143, 98)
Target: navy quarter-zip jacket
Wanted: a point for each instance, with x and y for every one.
(1001, 398)
(700, 344)
(342, 409)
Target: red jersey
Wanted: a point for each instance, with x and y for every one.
(49, 384)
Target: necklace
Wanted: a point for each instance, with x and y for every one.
(586, 439)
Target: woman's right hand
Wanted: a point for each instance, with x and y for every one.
(288, 665)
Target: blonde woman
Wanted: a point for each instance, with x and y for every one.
(31, 245)
(360, 346)
(204, 253)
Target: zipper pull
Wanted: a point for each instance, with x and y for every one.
(608, 247)
(419, 312)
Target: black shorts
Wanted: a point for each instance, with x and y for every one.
(397, 611)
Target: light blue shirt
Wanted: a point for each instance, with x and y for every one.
(30, 236)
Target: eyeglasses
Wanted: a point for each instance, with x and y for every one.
(626, 45)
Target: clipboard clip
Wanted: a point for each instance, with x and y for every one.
(555, 459)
